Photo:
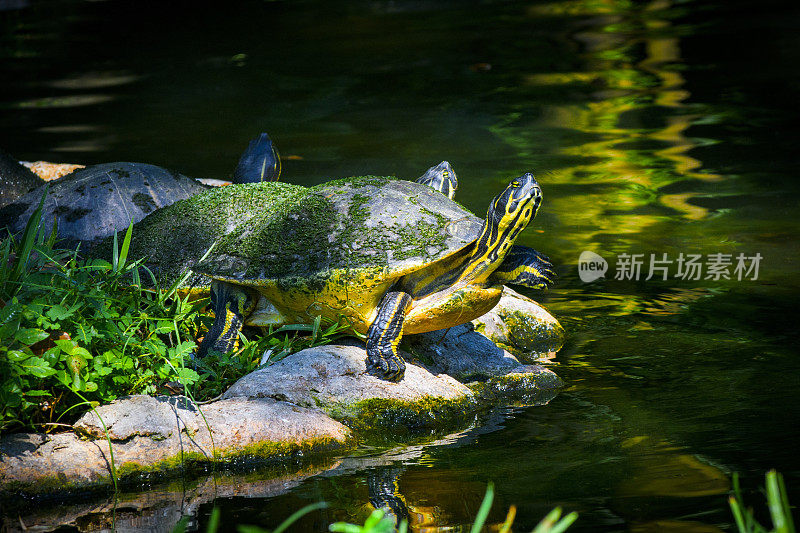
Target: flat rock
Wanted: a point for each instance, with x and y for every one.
(156, 434)
(334, 378)
(521, 326)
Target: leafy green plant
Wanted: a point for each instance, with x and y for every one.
(778, 503)
(78, 332)
(71, 326)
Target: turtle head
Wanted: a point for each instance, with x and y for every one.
(512, 210)
(260, 162)
(442, 177)
(508, 214)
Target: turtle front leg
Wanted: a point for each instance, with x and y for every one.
(525, 266)
(384, 335)
(231, 306)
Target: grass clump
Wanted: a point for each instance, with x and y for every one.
(777, 500)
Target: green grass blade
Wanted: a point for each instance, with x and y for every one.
(564, 523)
(152, 277)
(126, 244)
(115, 255)
(5, 257)
(776, 497)
(483, 512)
(51, 240)
(786, 507)
(315, 329)
(736, 510)
(179, 283)
(28, 238)
(213, 521)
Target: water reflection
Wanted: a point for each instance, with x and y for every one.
(633, 121)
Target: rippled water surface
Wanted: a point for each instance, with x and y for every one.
(661, 127)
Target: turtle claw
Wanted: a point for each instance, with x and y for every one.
(391, 368)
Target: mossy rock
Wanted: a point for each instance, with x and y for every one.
(522, 326)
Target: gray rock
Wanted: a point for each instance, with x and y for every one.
(334, 378)
(157, 434)
(522, 326)
(141, 415)
(462, 353)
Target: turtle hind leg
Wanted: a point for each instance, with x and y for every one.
(384, 335)
(525, 266)
(231, 306)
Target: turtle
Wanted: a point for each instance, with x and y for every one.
(388, 256)
(442, 178)
(94, 202)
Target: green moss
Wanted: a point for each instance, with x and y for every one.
(357, 182)
(381, 414)
(296, 234)
(529, 388)
(526, 333)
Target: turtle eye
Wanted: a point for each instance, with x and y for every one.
(515, 183)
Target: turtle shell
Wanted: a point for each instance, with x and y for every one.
(96, 201)
(15, 179)
(293, 236)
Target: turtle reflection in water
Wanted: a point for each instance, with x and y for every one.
(390, 256)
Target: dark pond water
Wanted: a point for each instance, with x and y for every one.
(661, 127)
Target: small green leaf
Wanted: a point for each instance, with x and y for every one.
(187, 376)
(37, 393)
(38, 367)
(59, 312)
(75, 363)
(30, 335)
(67, 346)
(15, 356)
